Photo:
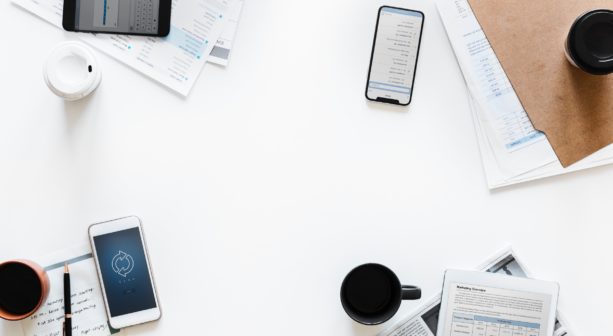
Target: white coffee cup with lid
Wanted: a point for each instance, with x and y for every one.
(72, 71)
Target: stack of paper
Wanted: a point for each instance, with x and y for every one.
(512, 150)
(201, 31)
(424, 320)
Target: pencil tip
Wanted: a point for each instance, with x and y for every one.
(66, 267)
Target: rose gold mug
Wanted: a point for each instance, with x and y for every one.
(24, 286)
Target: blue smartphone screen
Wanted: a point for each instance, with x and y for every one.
(126, 278)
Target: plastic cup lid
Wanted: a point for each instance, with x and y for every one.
(71, 70)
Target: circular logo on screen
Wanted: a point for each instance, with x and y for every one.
(122, 263)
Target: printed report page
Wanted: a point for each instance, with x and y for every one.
(474, 310)
(176, 60)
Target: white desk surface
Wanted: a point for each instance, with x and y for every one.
(275, 177)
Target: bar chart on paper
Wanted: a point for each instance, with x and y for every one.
(475, 325)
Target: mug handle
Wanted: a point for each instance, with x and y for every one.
(411, 292)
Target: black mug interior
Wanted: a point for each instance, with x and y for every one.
(590, 42)
(371, 294)
(20, 288)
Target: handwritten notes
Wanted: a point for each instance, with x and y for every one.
(88, 313)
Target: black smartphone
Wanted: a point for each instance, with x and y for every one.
(133, 17)
(393, 59)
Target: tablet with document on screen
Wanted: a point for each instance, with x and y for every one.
(478, 303)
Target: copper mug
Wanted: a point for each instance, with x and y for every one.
(24, 286)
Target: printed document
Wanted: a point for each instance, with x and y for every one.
(518, 147)
(424, 320)
(221, 52)
(175, 60)
(474, 310)
(89, 314)
(496, 177)
(512, 150)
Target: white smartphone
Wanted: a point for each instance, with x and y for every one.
(124, 272)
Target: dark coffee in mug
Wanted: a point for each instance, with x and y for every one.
(589, 45)
(23, 287)
(371, 294)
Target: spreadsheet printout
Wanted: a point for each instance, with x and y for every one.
(506, 112)
(518, 147)
(531, 158)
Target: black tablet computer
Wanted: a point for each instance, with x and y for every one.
(134, 17)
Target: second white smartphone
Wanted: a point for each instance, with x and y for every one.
(124, 272)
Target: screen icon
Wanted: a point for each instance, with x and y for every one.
(122, 263)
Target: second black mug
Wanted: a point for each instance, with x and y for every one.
(371, 294)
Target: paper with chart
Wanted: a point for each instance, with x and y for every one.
(512, 150)
(89, 315)
(176, 60)
(221, 52)
(519, 148)
(496, 177)
(478, 310)
(424, 321)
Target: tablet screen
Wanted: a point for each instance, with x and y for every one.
(476, 310)
(486, 304)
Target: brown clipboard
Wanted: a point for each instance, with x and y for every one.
(573, 109)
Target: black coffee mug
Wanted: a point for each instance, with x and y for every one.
(589, 45)
(24, 286)
(371, 294)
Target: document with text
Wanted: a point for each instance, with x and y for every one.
(518, 147)
(477, 310)
(221, 52)
(89, 315)
(424, 320)
(176, 60)
(512, 150)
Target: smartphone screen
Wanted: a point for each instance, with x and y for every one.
(138, 17)
(124, 272)
(394, 55)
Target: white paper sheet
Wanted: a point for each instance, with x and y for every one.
(512, 151)
(517, 146)
(495, 175)
(221, 52)
(89, 315)
(176, 60)
(424, 320)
